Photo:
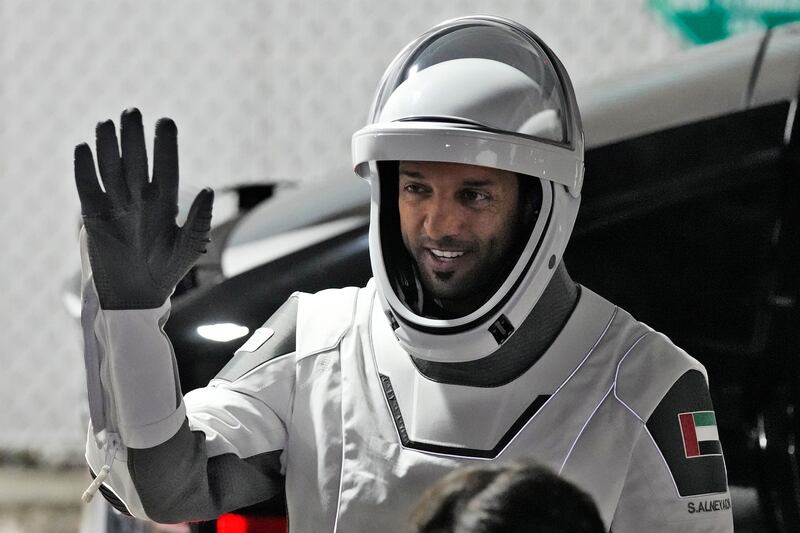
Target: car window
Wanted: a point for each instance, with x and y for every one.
(676, 226)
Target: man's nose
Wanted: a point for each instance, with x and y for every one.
(442, 219)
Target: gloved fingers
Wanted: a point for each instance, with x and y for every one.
(110, 164)
(198, 221)
(93, 199)
(165, 161)
(134, 153)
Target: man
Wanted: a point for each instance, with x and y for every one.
(471, 344)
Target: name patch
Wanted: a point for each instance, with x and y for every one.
(709, 506)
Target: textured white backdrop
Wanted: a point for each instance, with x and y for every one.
(257, 88)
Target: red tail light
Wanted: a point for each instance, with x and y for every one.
(236, 523)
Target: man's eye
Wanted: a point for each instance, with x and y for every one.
(413, 188)
(475, 196)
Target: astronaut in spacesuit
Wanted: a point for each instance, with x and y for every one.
(470, 345)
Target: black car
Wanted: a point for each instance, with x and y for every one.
(690, 221)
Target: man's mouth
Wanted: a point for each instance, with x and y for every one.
(445, 254)
(438, 259)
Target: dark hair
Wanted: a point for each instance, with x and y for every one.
(512, 498)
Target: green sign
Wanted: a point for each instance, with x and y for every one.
(705, 21)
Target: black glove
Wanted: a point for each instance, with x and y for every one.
(137, 251)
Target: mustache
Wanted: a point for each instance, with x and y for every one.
(445, 243)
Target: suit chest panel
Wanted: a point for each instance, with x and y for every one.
(480, 422)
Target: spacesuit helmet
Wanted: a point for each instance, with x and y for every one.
(481, 91)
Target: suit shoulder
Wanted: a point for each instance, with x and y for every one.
(323, 318)
(648, 369)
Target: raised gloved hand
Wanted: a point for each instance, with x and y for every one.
(137, 251)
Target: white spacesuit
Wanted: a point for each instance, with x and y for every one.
(363, 397)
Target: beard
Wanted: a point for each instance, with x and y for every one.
(461, 285)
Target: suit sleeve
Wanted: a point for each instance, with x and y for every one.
(169, 458)
(676, 479)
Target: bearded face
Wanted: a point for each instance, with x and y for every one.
(458, 223)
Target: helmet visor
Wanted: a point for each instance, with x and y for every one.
(480, 72)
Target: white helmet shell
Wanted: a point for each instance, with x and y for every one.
(482, 91)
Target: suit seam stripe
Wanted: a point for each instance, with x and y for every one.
(585, 358)
(585, 424)
(616, 376)
(341, 397)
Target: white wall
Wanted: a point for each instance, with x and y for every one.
(257, 88)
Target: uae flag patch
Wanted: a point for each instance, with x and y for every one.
(699, 431)
(684, 428)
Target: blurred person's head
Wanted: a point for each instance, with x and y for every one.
(519, 497)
